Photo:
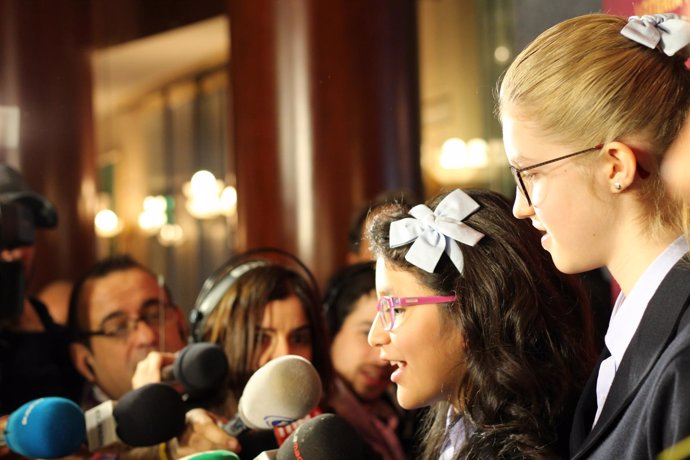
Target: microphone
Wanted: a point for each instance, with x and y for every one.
(201, 368)
(49, 427)
(325, 436)
(144, 417)
(281, 391)
(212, 455)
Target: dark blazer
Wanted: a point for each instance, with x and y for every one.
(648, 406)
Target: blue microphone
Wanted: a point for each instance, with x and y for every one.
(49, 427)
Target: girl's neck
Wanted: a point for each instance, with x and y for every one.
(633, 254)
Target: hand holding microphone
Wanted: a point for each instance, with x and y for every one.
(200, 368)
(280, 392)
(204, 434)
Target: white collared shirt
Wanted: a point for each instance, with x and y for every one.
(457, 435)
(627, 314)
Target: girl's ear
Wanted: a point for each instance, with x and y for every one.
(621, 166)
(83, 361)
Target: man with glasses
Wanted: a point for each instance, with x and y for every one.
(119, 313)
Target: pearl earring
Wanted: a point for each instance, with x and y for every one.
(617, 186)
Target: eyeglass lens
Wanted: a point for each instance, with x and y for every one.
(121, 325)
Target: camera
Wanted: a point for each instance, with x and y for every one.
(17, 225)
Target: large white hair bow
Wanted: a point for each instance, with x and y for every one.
(669, 29)
(434, 232)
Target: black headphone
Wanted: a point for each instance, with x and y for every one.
(234, 268)
(340, 284)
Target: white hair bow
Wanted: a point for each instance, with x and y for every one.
(434, 232)
(669, 29)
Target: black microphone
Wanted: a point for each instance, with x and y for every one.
(201, 368)
(325, 436)
(147, 416)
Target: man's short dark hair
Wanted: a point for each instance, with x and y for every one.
(101, 269)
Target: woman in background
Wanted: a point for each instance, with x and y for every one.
(361, 388)
(266, 309)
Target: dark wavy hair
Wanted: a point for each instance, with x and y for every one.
(527, 331)
(234, 321)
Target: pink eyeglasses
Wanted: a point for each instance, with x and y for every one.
(390, 308)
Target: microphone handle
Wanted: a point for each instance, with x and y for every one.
(168, 373)
(235, 426)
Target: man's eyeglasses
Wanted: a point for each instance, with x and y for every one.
(120, 325)
(393, 308)
(524, 182)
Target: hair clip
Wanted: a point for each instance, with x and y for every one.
(436, 232)
(670, 30)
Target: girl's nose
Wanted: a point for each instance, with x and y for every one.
(377, 334)
(521, 209)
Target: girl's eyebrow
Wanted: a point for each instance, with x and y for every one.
(521, 161)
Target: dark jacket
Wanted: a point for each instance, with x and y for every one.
(648, 407)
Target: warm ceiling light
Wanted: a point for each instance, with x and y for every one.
(107, 223)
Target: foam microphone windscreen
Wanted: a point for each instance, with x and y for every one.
(281, 391)
(212, 455)
(149, 415)
(49, 427)
(325, 436)
(201, 368)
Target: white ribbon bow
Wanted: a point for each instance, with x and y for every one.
(669, 29)
(434, 232)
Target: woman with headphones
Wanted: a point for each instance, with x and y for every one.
(259, 306)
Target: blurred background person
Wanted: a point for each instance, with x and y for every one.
(264, 304)
(55, 295)
(118, 314)
(675, 168)
(268, 310)
(34, 350)
(362, 385)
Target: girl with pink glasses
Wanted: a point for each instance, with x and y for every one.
(480, 326)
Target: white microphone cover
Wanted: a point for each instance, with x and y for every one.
(283, 390)
(101, 426)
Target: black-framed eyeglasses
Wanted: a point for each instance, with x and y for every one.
(522, 183)
(120, 325)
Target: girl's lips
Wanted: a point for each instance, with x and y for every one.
(396, 375)
(544, 238)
